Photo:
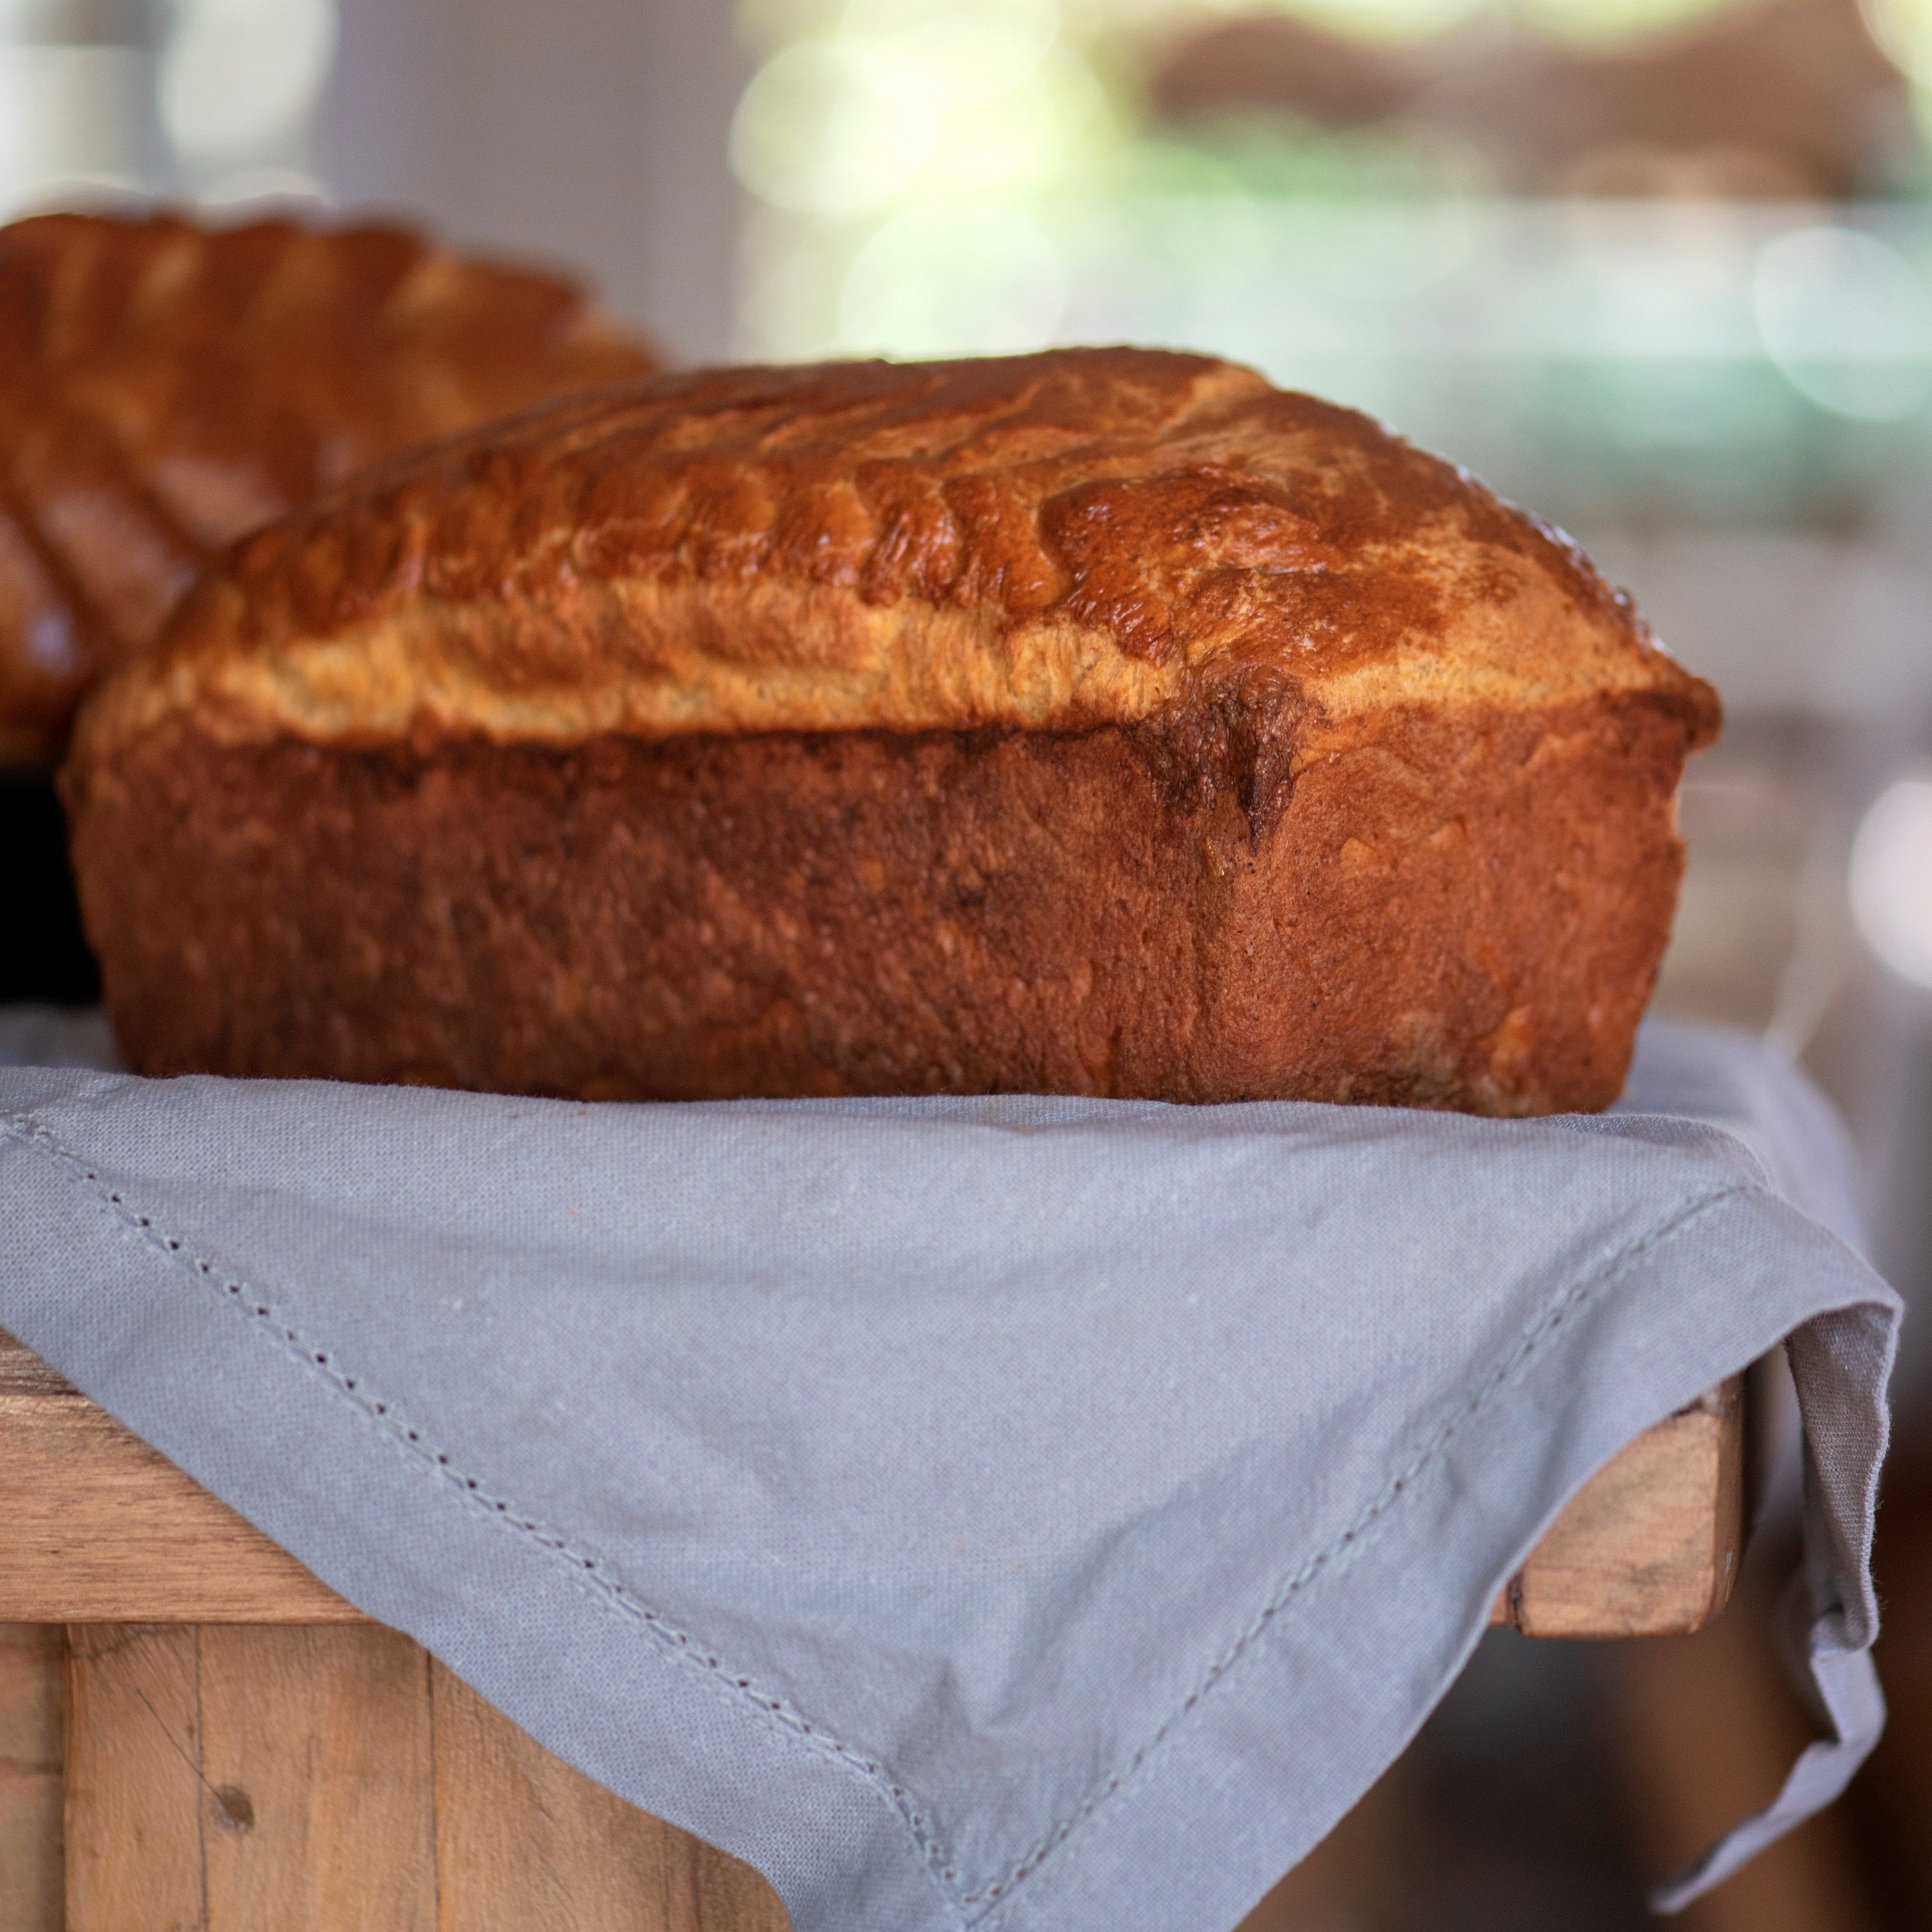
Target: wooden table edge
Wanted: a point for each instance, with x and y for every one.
(101, 1528)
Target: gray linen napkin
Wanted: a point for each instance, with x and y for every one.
(1022, 1514)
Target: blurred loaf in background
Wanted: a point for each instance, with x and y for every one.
(1791, 98)
(166, 387)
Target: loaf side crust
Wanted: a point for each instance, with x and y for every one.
(1463, 912)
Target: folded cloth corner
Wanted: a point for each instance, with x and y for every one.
(1016, 1513)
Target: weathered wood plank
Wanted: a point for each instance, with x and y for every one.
(31, 1888)
(133, 1784)
(1650, 1545)
(522, 1841)
(22, 1372)
(231, 1779)
(318, 1805)
(99, 1528)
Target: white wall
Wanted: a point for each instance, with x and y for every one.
(587, 132)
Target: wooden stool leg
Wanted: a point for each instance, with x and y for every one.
(233, 1778)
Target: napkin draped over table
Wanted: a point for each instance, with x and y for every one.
(1013, 1513)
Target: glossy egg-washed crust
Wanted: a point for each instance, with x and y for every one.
(1102, 720)
(166, 387)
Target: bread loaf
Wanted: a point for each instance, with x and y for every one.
(1100, 722)
(165, 388)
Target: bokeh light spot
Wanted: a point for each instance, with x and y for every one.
(238, 76)
(834, 127)
(1845, 320)
(1891, 878)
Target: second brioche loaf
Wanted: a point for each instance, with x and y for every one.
(166, 387)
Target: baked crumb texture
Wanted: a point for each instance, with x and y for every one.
(1101, 722)
(166, 387)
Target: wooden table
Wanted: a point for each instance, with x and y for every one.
(244, 1752)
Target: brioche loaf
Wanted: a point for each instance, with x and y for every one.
(165, 387)
(1100, 722)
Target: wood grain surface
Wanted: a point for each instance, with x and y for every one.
(1650, 1545)
(318, 1798)
(236, 1780)
(99, 1528)
(30, 1778)
(134, 1825)
(279, 1779)
(22, 1372)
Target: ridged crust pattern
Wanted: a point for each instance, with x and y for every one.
(166, 387)
(1054, 542)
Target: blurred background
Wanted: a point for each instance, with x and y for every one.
(1660, 269)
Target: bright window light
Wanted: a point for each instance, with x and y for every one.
(1396, 20)
(240, 77)
(983, 48)
(1904, 28)
(1609, 22)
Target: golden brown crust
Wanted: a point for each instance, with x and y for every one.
(1058, 541)
(165, 388)
(1462, 912)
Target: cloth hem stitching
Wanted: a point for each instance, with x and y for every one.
(592, 1567)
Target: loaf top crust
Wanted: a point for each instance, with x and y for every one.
(166, 387)
(1056, 541)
